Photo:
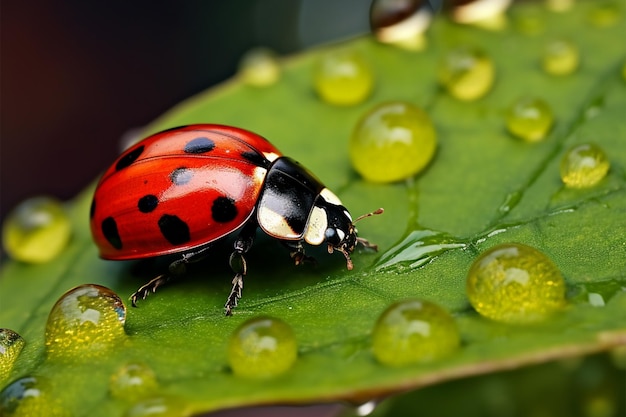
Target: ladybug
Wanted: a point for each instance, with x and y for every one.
(183, 189)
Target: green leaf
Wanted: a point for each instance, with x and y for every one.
(483, 188)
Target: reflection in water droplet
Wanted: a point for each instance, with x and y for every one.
(259, 67)
(343, 77)
(583, 166)
(85, 321)
(11, 345)
(467, 73)
(28, 397)
(262, 347)
(414, 331)
(560, 57)
(36, 231)
(393, 141)
(529, 119)
(132, 381)
(515, 283)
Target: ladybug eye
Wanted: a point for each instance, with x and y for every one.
(332, 237)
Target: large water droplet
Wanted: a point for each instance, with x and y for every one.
(85, 321)
(414, 331)
(530, 119)
(466, 73)
(36, 231)
(262, 347)
(515, 283)
(392, 142)
(11, 345)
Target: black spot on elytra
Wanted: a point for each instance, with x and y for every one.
(223, 209)
(174, 229)
(129, 158)
(199, 145)
(256, 158)
(181, 176)
(109, 230)
(147, 203)
(92, 209)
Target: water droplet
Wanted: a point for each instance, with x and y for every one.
(28, 397)
(392, 142)
(529, 119)
(583, 166)
(11, 344)
(467, 73)
(414, 331)
(515, 283)
(36, 231)
(343, 77)
(560, 6)
(262, 347)
(488, 14)
(259, 67)
(133, 381)
(401, 23)
(605, 14)
(366, 408)
(560, 57)
(158, 407)
(84, 322)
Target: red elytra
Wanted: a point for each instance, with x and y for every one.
(177, 190)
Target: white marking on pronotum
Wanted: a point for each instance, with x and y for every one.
(270, 156)
(275, 225)
(330, 197)
(316, 229)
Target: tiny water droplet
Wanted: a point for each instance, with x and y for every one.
(259, 67)
(515, 283)
(467, 73)
(132, 381)
(36, 231)
(28, 397)
(87, 320)
(560, 6)
(583, 166)
(414, 331)
(401, 23)
(392, 142)
(343, 77)
(11, 344)
(262, 347)
(560, 57)
(158, 407)
(529, 119)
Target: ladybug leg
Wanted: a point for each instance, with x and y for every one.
(297, 253)
(176, 268)
(239, 265)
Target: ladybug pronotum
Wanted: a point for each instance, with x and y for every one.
(181, 190)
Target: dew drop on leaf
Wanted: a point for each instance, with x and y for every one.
(132, 381)
(36, 231)
(343, 77)
(584, 166)
(559, 6)
(392, 142)
(401, 23)
(262, 347)
(87, 320)
(27, 397)
(158, 407)
(414, 331)
(467, 73)
(529, 119)
(11, 344)
(560, 57)
(259, 67)
(515, 283)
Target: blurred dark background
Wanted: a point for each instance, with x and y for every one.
(76, 75)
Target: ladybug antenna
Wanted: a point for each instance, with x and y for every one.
(375, 212)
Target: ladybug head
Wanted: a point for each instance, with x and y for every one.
(341, 234)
